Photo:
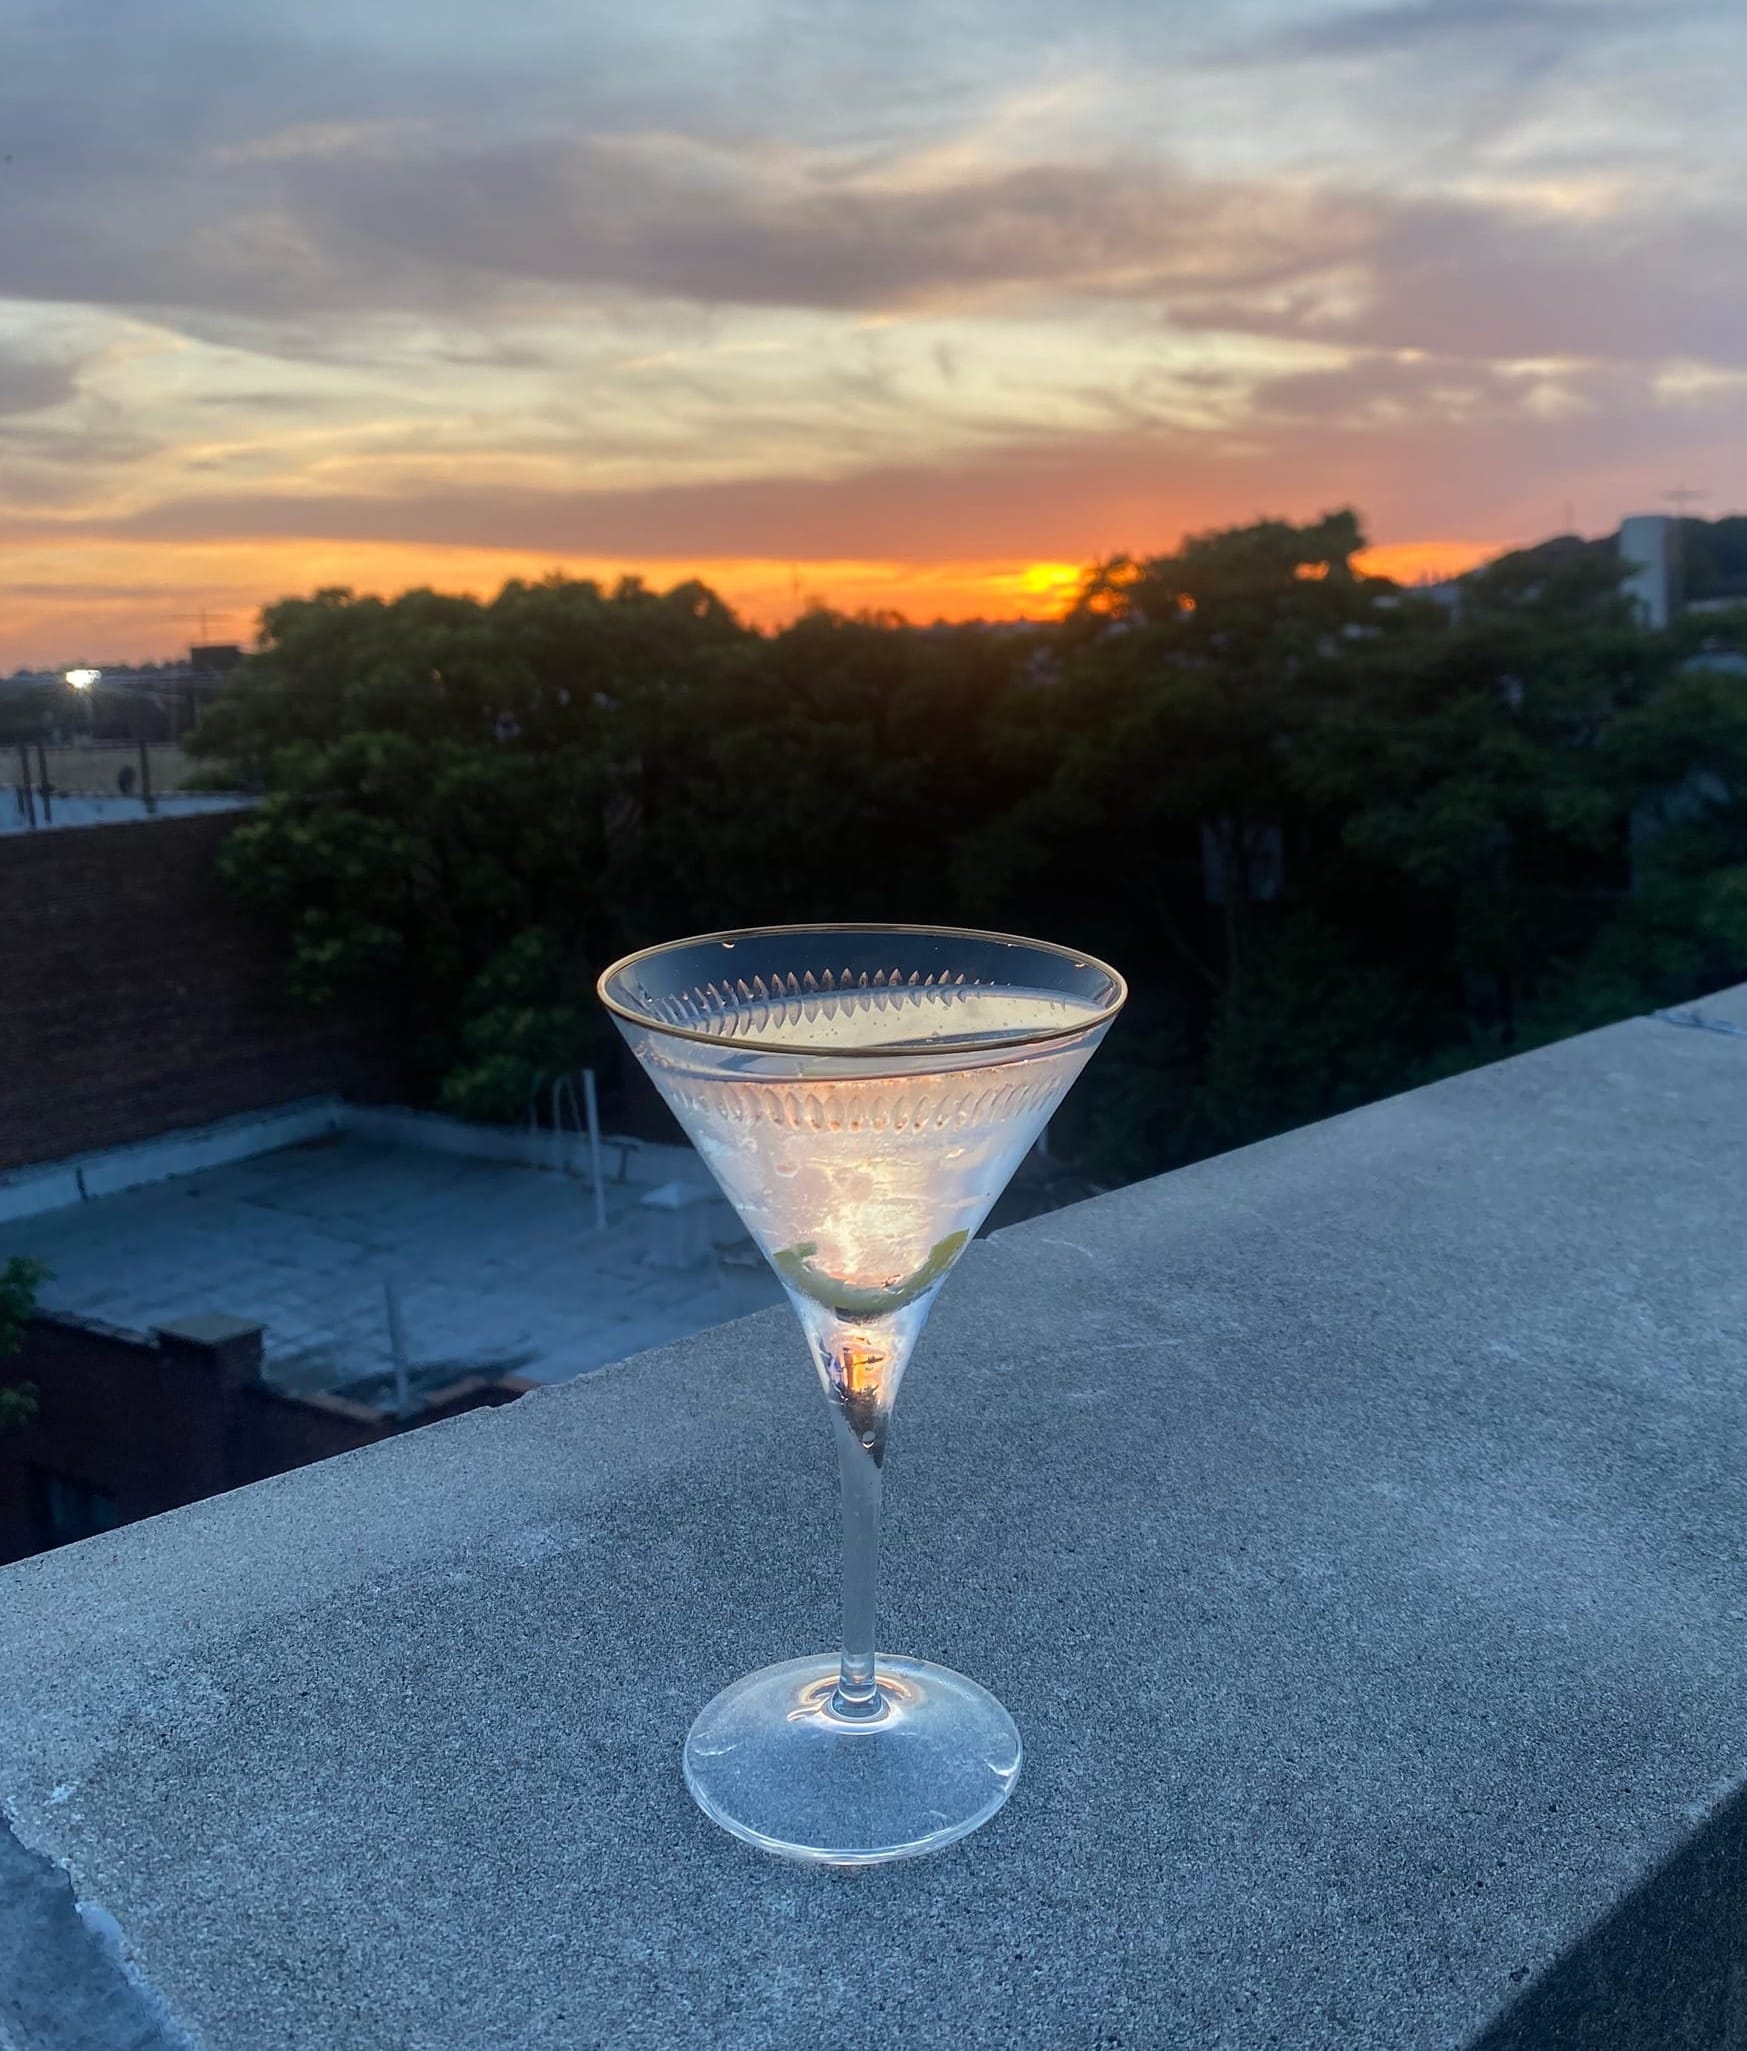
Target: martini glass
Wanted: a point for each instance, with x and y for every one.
(862, 1094)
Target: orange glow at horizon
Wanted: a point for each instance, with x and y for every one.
(135, 600)
(1426, 562)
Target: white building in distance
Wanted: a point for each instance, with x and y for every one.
(1650, 550)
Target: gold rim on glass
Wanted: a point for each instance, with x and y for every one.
(993, 1043)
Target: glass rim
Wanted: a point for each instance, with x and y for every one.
(992, 1043)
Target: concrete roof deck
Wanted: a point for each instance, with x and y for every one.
(498, 1267)
(1353, 1525)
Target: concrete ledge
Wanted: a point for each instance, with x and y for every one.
(626, 1160)
(1353, 1525)
(57, 1185)
(69, 809)
(29, 1192)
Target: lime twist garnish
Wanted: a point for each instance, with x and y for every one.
(795, 1265)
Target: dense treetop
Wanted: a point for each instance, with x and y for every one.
(1340, 838)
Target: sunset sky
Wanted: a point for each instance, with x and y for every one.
(894, 302)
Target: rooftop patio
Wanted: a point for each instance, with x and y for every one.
(1352, 1524)
(497, 1268)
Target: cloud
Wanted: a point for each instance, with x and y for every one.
(1423, 449)
(1415, 397)
(947, 279)
(1425, 25)
(395, 219)
(33, 384)
(406, 221)
(265, 401)
(316, 139)
(254, 175)
(1504, 282)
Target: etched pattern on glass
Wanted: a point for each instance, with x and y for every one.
(862, 1191)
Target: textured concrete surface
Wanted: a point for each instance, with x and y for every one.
(1353, 1525)
(499, 1268)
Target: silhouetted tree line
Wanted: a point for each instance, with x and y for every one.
(1341, 838)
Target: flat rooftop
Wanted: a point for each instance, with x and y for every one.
(1353, 1525)
(498, 1267)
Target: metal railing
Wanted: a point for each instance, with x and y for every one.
(584, 1120)
(145, 770)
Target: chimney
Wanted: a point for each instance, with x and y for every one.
(230, 1344)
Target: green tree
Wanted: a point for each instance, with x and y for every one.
(18, 1286)
(448, 785)
(1342, 837)
(1464, 779)
(1152, 770)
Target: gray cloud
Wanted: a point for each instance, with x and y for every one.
(463, 232)
(1377, 388)
(31, 384)
(430, 224)
(408, 221)
(1427, 400)
(246, 179)
(260, 402)
(1433, 24)
(1468, 280)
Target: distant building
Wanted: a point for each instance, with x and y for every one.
(1650, 549)
(229, 1301)
(254, 1260)
(1670, 566)
(128, 1425)
(1723, 661)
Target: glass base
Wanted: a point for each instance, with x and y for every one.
(770, 1761)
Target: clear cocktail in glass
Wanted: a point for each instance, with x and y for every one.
(862, 1094)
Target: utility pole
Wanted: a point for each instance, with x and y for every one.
(201, 614)
(1683, 496)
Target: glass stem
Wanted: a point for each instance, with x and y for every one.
(861, 1362)
(861, 1453)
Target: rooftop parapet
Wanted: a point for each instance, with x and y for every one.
(1353, 1524)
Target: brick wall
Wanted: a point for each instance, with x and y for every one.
(147, 1424)
(134, 998)
(113, 1413)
